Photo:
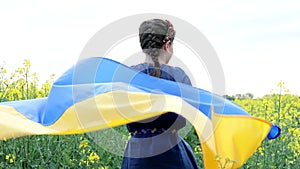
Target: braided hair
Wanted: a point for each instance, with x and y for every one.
(153, 35)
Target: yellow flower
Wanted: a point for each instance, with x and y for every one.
(261, 150)
(10, 158)
(84, 162)
(93, 157)
(83, 144)
(218, 157)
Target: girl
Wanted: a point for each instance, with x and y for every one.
(155, 143)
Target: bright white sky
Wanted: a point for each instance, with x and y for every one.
(257, 41)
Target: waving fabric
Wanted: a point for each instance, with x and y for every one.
(99, 93)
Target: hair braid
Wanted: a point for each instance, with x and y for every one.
(154, 56)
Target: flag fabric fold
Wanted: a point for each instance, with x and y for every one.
(99, 93)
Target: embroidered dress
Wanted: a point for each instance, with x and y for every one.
(154, 142)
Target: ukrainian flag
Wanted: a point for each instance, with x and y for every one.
(99, 93)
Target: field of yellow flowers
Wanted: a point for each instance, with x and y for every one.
(80, 151)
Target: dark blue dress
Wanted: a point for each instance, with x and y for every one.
(154, 142)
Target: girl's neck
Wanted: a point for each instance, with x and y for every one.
(161, 60)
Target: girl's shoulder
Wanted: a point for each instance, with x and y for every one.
(169, 72)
